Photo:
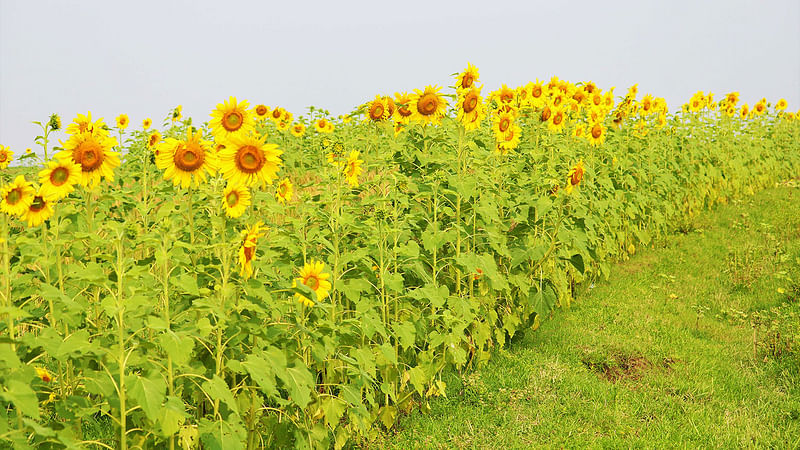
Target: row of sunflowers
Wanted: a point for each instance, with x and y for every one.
(266, 280)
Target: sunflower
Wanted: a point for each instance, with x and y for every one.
(313, 277)
(574, 177)
(84, 124)
(557, 120)
(122, 121)
(261, 111)
(781, 105)
(632, 91)
(43, 374)
(390, 106)
(184, 161)
(504, 95)
(377, 110)
(509, 140)
(732, 98)
(471, 110)
(235, 199)
(597, 97)
(537, 93)
(647, 104)
(231, 118)
(502, 122)
(247, 251)
(744, 111)
(248, 159)
(760, 107)
(54, 123)
(352, 168)
(546, 113)
(16, 197)
(176, 113)
(153, 139)
(467, 78)
(284, 191)
(6, 156)
(578, 131)
(298, 130)
(427, 106)
(59, 178)
(323, 126)
(146, 123)
(399, 128)
(403, 113)
(662, 120)
(40, 209)
(277, 113)
(596, 134)
(283, 125)
(93, 153)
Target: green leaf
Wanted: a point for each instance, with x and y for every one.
(149, 394)
(406, 333)
(172, 416)
(334, 409)
(218, 390)
(22, 396)
(299, 382)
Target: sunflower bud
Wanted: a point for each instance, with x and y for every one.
(54, 123)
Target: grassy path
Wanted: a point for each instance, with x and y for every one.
(661, 355)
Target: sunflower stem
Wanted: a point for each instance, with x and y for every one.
(7, 283)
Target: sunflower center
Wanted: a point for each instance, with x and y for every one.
(504, 124)
(509, 136)
(3, 157)
(189, 157)
(427, 104)
(89, 155)
(546, 113)
(507, 96)
(261, 110)
(376, 112)
(558, 118)
(467, 81)
(322, 123)
(312, 282)
(232, 199)
(59, 176)
(38, 204)
(577, 175)
(14, 196)
(249, 252)
(232, 121)
(250, 159)
(536, 92)
(153, 140)
(596, 131)
(470, 103)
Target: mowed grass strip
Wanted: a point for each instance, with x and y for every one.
(661, 355)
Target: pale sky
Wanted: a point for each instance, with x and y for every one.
(145, 57)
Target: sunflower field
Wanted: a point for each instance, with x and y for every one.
(265, 280)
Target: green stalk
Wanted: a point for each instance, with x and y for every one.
(121, 342)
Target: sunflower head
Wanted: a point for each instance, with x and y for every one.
(92, 152)
(284, 191)
(249, 159)
(235, 200)
(231, 118)
(323, 125)
(428, 106)
(403, 112)
(54, 123)
(781, 105)
(467, 78)
(59, 178)
(39, 210)
(262, 111)
(596, 134)
(176, 114)
(377, 110)
(312, 275)
(146, 123)
(298, 130)
(247, 250)
(574, 177)
(186, 161)
(6, 156)
(16, 197)
(122, 121)
(153, 139)
(352, 168)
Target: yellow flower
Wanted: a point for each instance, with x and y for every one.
(781, 105)
(177, 113)
(312, 276)
(427, 106)
(467, 78)
(261, 111)
(471, 110)
(247, 251)
(509, 140)
(502, 122)
(91, 151)
(6, 156)
(403, 112)
(298, 130)
(323, 126)
(84, 124)
(277, 113)
(504, 95)
(284, 191)
(59, 178)
(236, 199)
(43, 374)
(377, 110)
(16, 197)
(597, 134)
(577, 132)
(122, 121)
(744, 111)
(146, 123)
(557, 120)
(153, 139)
(186, 162)
(352, 168)
(537, 93)
(574, 177)
(248, 159)
(760, 107)
(40, 210)
(231, 119)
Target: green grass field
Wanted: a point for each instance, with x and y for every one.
(661, 355)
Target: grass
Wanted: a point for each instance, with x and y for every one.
(661, 355)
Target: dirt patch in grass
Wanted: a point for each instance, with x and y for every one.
(618, 366)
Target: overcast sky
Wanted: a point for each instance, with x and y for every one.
(144, 57)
